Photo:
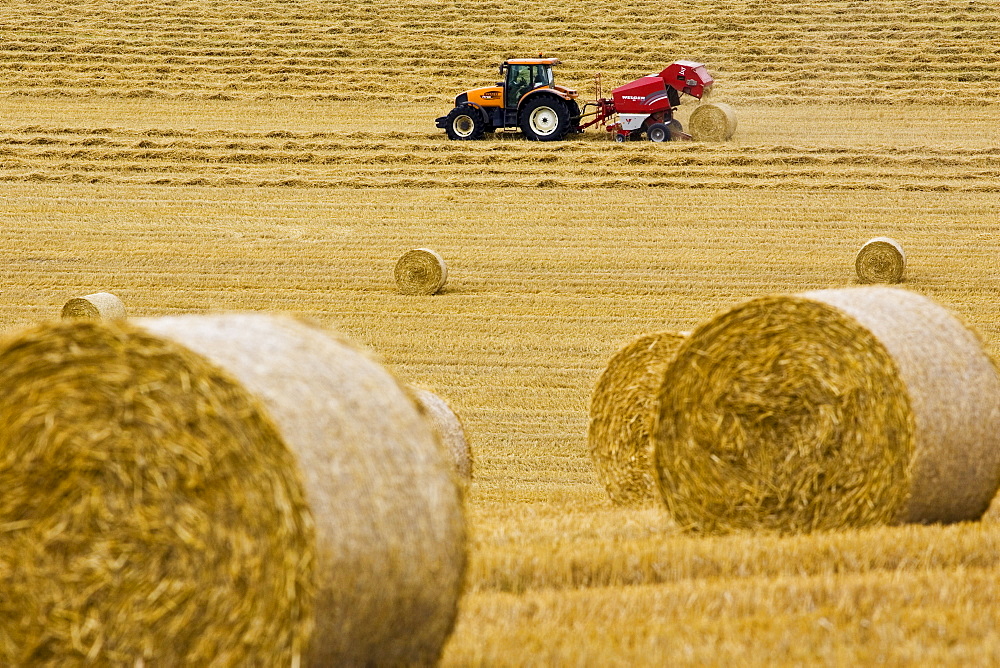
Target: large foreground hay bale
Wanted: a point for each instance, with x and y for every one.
(209, 489)
(449, 428)
(712, 122)
(98, 306)
(150, 510)
(420, 271)
(880, 260)
(622, 408)
(828, 409)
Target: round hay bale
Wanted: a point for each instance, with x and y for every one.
(99, 306)
(151, 511)
(352, 554)
(880, 260)
(829, 409)
(449, 429)
(622, 408)
(712, 122)
(390, 529)
(420, 271)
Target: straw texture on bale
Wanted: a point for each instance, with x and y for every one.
(387, 506)
(150, 510)
(712, 122)
(99, 306)
(880, 260)
(622, 408)
(304, 511)
(449, 429)
(828, 409)
(420, 271)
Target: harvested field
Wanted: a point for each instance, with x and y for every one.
(887, 51)
(774, 148)
(271, 156)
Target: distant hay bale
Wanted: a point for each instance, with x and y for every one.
(880, 260)
(99, 306)
(420, 271)
(622, 408)
(231, 490)
(712, 122)
(449, 428)
(829, 409)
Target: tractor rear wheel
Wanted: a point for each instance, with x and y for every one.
(658, 132)
(575, 114)
(545, 118)
(465, 122)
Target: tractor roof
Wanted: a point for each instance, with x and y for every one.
(533, 61)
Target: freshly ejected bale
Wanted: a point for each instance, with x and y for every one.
(100, 306)
(829, 409)
(880, 260)
(420, 271)
(449, 428)
(712, 122)
(230, 490)
(622, 408)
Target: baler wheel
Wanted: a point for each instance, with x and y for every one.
(465, 123)
(545, 118)
(658, 132)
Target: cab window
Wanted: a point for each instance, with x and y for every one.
(518, 81)
(543, 76)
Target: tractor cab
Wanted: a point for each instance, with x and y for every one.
(525, 74)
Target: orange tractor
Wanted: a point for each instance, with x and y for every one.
(528, 98)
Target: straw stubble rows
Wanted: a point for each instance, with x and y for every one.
(888, 51)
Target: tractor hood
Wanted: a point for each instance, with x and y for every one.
(488, 96)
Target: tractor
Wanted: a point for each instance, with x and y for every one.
(525, 98)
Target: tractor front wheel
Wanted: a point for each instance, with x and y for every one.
(465, 123)
(545, 118)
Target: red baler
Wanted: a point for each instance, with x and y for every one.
(647, 104)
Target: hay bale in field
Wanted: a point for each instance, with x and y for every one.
(99, 306)
(622, 408)
(880, 260)
(828, 409)
(233, 490)
(151, 510)
(420, 271)
(449, 428)
(712, 122)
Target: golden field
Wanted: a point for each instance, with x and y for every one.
(280, 156)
